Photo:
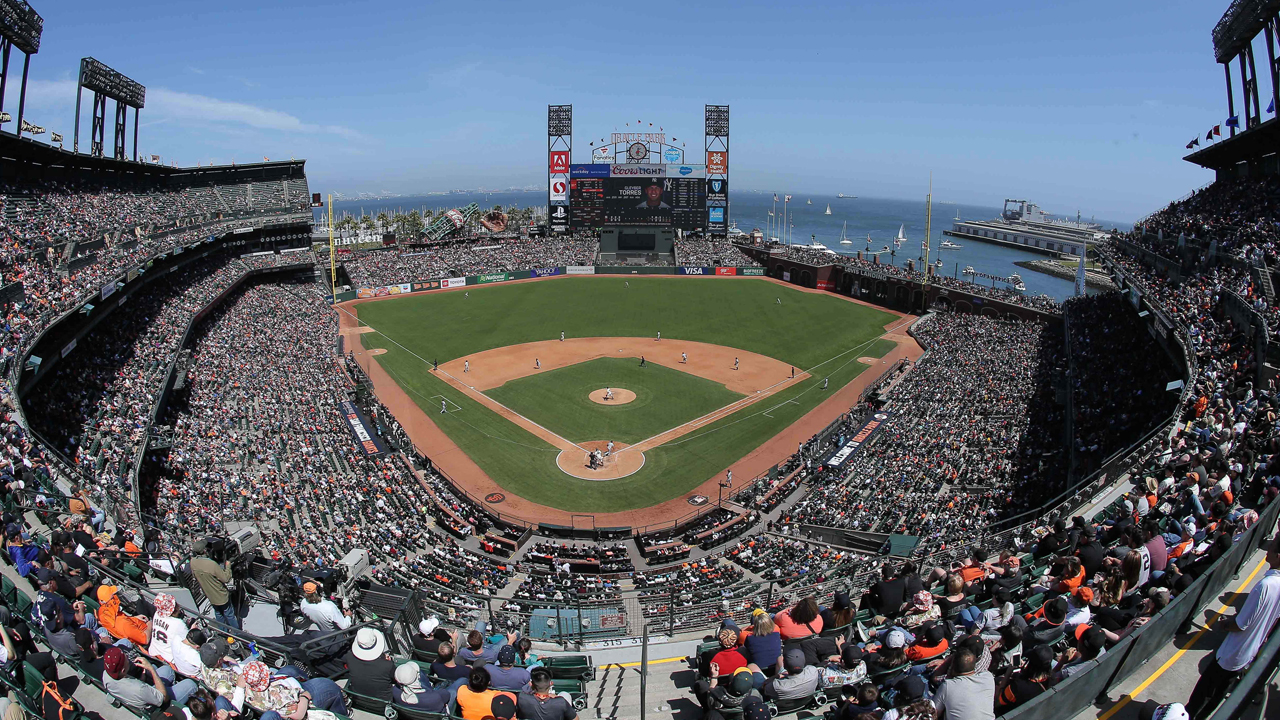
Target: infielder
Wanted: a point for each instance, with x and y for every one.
(659, 334)
(684, 358)
(824, 383)
(561, 336)
(735, 363)
(466, 366)
(608, 393)
(442, 407)
(537, 365)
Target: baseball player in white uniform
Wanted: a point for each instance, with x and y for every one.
(684, 358)
(466, 366)
(608, 393)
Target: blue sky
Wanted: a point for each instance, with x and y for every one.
(1076, 105)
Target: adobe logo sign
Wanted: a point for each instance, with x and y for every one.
(559, 161)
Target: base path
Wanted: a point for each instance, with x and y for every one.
(621, 396)
(469, 477)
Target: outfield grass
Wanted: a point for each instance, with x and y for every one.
(815, 332)
(665, 398)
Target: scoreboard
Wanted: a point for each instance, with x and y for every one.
(660, 195)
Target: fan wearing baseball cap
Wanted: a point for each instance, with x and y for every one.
(323, 611)
(800, 681)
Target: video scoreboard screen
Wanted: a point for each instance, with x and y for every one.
(665, 195)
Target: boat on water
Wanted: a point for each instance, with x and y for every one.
(844, 239)
(809, 201)
(828, 212)
(842, 196)
(734, 232)
(815, 245)
(948, 245)
(1015, 278)
(897, 242)
(968, 270)
(1019, 287)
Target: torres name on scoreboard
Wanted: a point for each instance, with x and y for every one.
(638, 194)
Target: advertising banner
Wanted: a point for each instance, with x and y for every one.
(559, 189)
(544, 272)
(66, 350)
(860, 438)
(559, 218)
(726, 271)
(786, 276)
(360, 429)
(491, 278)
(717, 162)
(453, 282)
(602, 155)
(426, 285)
(672, 155)
(580, 270)
(588, 171)
(715, 221)
(756, 272)
(108, 290)
(690, 171)
(826, 285)
(717, 190)
(695, 271)
(559, 162)
(638, 171)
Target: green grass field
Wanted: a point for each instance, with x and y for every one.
(558, 400)
(819, 333)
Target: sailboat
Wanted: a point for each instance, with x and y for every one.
(809, 201)
(828, 212)
(844, 240)
(897, 242)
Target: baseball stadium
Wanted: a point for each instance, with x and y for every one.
(601, 453)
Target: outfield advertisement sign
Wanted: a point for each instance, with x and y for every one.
(826, 285)
(360, 429)
(580, 270)
(695, 271)
(385, 290)
(860, 438)
(453, 282)
(426, 285)
(726, 271)
(544, 272)
(491, 278)
(754, 271)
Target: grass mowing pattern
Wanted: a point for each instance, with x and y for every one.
(805, 330)
(665, 398)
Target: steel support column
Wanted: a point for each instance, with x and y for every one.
(118, 143)
(99, 132)
(22, 95)
(1244, 85)
(135, 134)
(1271, 63)
(1253, 88)
(1231, 101)
(4, 71)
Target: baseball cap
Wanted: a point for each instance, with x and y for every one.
(428, 625)
(753, 708)
(310, 588)
(1172, 711)
(896, 639)
(912, 688)
(1084, 595)
(212, 652)
(503, 707)
(793, 660)
(507, 655)
(742, 681)
(1040, 658)
(114, 662)
(199, 546)
(851, 655)
(45, 575)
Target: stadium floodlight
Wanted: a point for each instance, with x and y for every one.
(99, 78)
(1240, 24)
(21, 25)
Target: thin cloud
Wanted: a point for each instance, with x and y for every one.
(189, 106)
(194, 69)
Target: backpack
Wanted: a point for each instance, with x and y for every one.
(55, 706)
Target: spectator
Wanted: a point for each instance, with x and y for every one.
(414, 689)
(542, 703)
(371, 671)
(476, 701)
(800, 680)
(213, 579)
(967, 694)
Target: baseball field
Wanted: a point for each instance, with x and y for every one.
(739, 361)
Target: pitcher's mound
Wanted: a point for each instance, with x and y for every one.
(616, 465)
(620, 397)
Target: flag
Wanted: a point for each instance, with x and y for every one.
(786, 198)
(775, 195)
(1080, 276)
(5, 117)
(266, 159)
(1217, 131)
(1271, 106)
(1208, 135)
(155, 158)
(1195, 141)
(33, 129)
(1233, 121)
(55, 137)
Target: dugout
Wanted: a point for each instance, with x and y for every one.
(637, 244)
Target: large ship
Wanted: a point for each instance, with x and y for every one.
(1023, 224)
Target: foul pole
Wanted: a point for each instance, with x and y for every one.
(333, 259)
(928, 238)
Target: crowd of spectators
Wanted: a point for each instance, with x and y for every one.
(467, 257)
(1241, 215)
(711, 252)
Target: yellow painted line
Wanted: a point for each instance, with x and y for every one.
(1127, 697)
(651, 662)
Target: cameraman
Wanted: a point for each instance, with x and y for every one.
(213, 579)
(322, 611)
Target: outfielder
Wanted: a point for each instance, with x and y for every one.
(641, 361)
(824, 383)
(779, 300)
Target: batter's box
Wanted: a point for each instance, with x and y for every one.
(775, 407)
(449, 405)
